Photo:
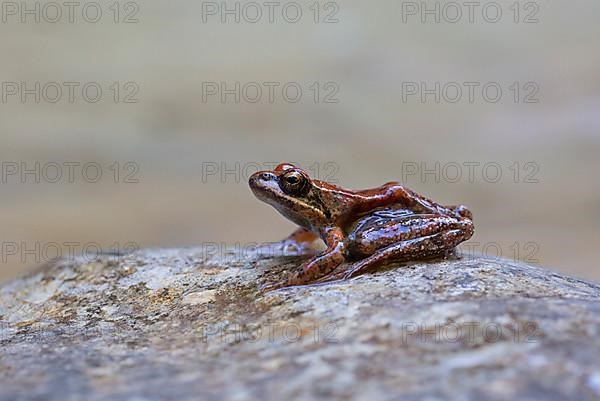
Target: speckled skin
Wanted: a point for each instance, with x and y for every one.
(366, 227)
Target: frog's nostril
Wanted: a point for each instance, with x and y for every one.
(266, 176)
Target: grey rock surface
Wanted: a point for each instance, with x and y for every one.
(184, 325)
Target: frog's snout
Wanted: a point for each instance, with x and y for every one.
(260, 177)
(260, 181)
(266, 176)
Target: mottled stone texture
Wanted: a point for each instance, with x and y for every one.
(180, 325)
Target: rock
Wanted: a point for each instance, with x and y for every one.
(184, 325)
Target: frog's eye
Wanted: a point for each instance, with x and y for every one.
(294, 183)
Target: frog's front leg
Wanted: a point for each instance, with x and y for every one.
(320, 265)
(301, 237)
(298, 242)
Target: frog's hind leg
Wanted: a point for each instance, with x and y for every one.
(413, 249)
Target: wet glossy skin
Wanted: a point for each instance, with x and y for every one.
(362, 229)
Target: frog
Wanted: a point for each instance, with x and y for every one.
(362, 229)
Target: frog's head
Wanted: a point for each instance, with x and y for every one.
(293, 193)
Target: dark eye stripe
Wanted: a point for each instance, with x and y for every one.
(317, 199)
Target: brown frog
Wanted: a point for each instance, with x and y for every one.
(366, 228)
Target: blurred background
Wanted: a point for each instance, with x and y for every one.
(139, 122)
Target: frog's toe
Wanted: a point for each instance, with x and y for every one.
(335, 276)
(271, 286)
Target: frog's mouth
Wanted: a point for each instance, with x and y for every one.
(265, 186)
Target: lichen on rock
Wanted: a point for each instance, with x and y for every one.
(182, 325)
